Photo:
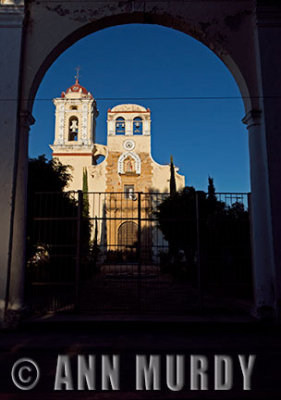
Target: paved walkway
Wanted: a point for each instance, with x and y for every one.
(122, 290)
(120, 314)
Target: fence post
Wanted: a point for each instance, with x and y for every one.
(78, 250)
(249, 200)
(199, 275)
(139, 230)
(139, 250)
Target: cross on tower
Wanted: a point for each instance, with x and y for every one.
(77, 76)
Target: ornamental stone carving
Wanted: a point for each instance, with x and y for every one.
(123, 157)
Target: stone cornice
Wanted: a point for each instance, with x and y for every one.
(26, 120)
(252, 118)
(11, 16)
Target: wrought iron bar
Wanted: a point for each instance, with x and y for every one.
(78, 250)
(139, 250)
(199, 283)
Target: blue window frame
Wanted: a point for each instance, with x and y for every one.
(120, 126)
(137, 126)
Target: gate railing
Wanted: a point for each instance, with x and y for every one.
(73, 236)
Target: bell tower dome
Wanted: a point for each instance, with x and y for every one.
(74, 143)
(76, 113)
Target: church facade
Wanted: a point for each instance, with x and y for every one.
(127, 169)
(128, 164)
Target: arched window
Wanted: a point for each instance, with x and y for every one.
(120, 126)
(128, 236)
(137, 126)
(73, 129)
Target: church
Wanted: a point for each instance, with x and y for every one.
(128, 165)
(127, 168)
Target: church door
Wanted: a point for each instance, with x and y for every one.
(128, 239)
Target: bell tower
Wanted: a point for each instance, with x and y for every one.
(74, 144)
(129, 149)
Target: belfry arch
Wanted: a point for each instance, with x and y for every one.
(43, 30)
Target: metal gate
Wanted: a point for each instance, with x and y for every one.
(127, 252)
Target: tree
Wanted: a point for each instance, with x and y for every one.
(173, 188)
(211, 189)
(52, 213)
(46, 199)
(224, 234)
(176, 219)
(85, 194)
(47, 175)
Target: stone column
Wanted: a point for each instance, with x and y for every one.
(262, 252)
(11, 23)
(269, 33)
(129, 126)
(17, 269)
(146, 126)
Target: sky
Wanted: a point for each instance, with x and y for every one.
(205, 136)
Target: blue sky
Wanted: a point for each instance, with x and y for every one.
(205, 136)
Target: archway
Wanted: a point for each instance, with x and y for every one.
(223, 39)
(127, 236)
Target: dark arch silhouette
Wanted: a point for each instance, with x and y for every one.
(168, 21)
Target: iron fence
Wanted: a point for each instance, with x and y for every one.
(137, 252)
